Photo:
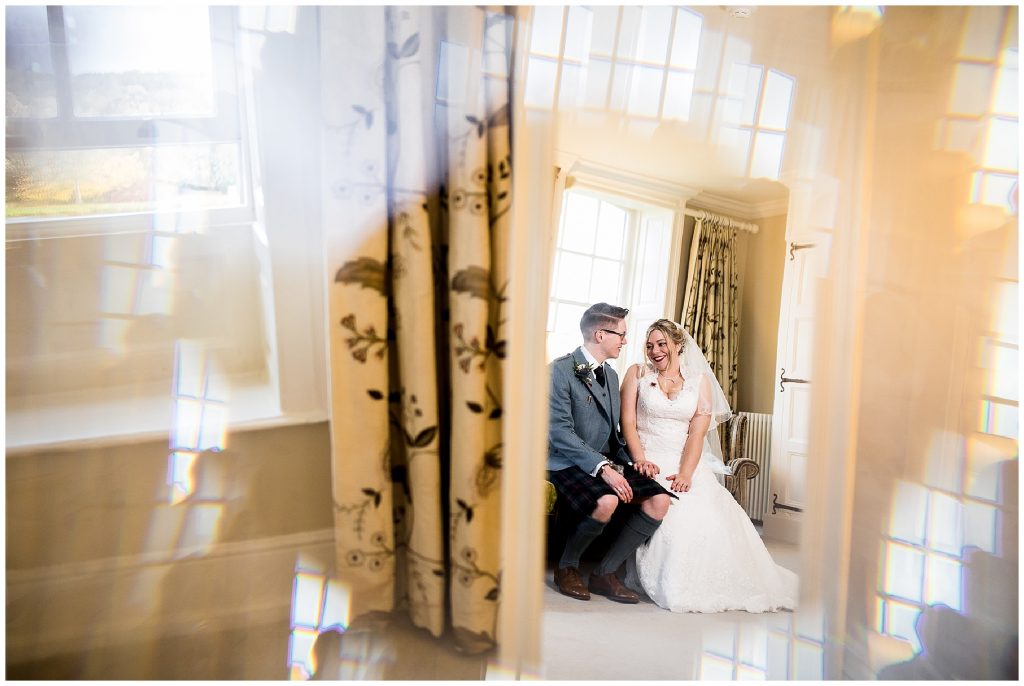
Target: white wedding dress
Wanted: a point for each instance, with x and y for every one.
(706, 556)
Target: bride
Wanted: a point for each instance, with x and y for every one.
(706, 556)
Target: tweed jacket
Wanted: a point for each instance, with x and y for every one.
(584, 417)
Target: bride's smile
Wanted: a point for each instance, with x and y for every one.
(659, 352)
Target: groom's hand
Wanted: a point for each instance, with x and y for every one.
(618, 483)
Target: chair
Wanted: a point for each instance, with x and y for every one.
(744, 469)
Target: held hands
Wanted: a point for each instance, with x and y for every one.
(618, 483)
(681, 482)
(648, 469)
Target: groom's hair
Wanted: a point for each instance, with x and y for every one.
(600, 316)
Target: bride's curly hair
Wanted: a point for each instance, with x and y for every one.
(672, 332)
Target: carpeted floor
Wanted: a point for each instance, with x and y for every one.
(601, 639)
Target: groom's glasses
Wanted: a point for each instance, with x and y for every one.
(620, 335)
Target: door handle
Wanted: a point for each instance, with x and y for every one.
(784, 379)
(793, 247)
(776, 505)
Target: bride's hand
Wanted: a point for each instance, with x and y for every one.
(648, 469)
(680, 482)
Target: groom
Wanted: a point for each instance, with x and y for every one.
(588, 462)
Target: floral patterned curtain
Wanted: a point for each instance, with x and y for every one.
(710, 309)
(418, 188)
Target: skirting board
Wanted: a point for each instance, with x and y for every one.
(100, 603)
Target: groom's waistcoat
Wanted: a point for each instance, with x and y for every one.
(584, 416)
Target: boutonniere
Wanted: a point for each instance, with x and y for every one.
(582, 372)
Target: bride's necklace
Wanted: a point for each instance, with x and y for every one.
(671, 379)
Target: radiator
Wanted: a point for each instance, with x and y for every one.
(757, 445)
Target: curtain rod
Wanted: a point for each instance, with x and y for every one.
(728, 221)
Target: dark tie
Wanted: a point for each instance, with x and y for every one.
(599, 373)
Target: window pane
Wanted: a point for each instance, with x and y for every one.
(577, 33)
(904, 571)
(767, 159)
(778, 93)
(744, 85)
(31, 91)
(998, 419)
(1005, 101)
(686, 43)
(901, 622)
(907, 521)
(540, 82)
(140, 61)
(714, 668)
(982, 33)
(561, 343)
(573, 277)
(1001, 145)
(547, 30)
(567, 318)
(1000, 364)
(963, 135)
(66, 183)
(945, 523)
(809, 659)
(732, 110)
(737, 141)
(994, 189)
(972, 86)
(980, 526)
(620, 82)
(598, 75)
(606, 281)
(611, 231)
(603, 37)
(579, 223)
(571, 85)
(678, 96)
(629, 31)
(700, 109)
(943, 582)
(1005, 321)
(654, 28)
(645, 93)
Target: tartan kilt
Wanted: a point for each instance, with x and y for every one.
(580, 491)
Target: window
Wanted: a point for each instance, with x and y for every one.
(114, 110)
(610, 249)
(656, 63)
(787, 646)
(144, 257)
(320, 604)
(982, 119)
(755, 116)
(638, 60)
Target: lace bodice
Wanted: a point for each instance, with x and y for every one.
(663, 422)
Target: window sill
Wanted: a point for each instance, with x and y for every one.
(81, 420)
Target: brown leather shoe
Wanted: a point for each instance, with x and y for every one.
(570, 583)
(610, 586)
